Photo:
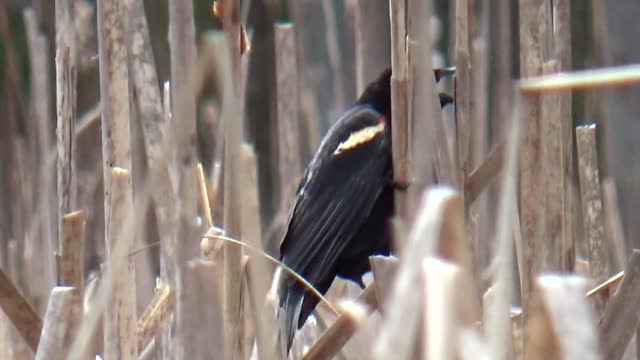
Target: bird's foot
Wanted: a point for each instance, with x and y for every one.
(400, 185)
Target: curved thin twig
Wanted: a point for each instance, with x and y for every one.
(291, 272)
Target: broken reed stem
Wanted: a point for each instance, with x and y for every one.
(384, 271)
(439, 279)
(20, 312)
(335, 337)
(57, 332)
(153, 317)
(71, 253)
(289, 164)
(592, 201)
(120, 313)
(66, 78)
(619, 320)
(71, 268)
(203, 283)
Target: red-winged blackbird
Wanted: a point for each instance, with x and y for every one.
(343, 204)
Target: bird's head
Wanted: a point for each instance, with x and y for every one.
(378, 94)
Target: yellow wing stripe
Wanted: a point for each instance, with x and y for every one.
(360, 137)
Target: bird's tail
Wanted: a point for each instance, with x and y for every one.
(291, 298)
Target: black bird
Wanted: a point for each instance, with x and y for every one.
(342, 205)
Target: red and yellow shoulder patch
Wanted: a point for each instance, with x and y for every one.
(360, 137)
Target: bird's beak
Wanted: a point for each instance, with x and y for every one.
(444, 72)
(445, 99)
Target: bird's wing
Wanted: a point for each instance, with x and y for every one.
(340, 186)
(337, 196)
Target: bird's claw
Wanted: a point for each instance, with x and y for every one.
(400, 185)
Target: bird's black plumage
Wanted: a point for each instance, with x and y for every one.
(342, 205)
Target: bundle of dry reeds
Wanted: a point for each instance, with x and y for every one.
(504, 249)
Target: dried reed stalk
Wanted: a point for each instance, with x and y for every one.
(591, 195)
(71, 268)
(289, 164)
(20, 312)
(114, 88)
(427, 127)
(440, 316)
(463, 95)
(71, 253)
(44, 269)
(229, 73)
(334, 53)
(399, 109)
(562, 42)
(584, 79)
(203, 282)
(532, 17)
(335, 337)
(613, 221)
(103, 290)
(384, 271)
(485, 173)
(498, 328)
(148, 107)
(120, 319)
(607, 285)
(400, 323)
(619, 320)
(553, 168)
(168, 239)
(57, 329)
(183, 125)
(116, 153)
(562, 321)
(480, 218)
(158, 310)
(373, 47)
(66, 78)
(257, 269)
(204, 197)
